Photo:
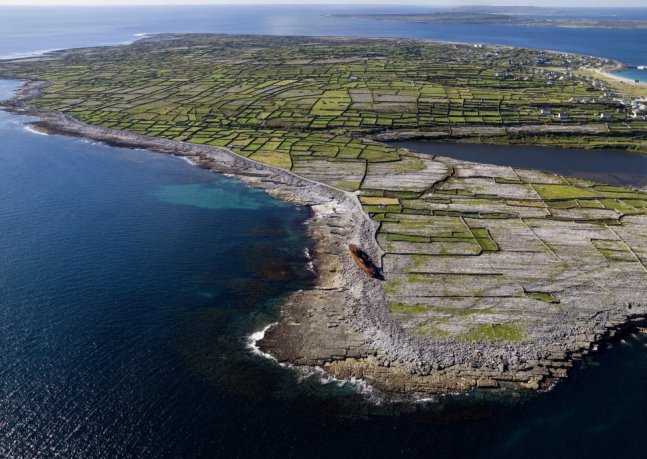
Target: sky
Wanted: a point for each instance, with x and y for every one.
(545, 3)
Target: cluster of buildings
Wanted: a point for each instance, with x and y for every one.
(562, 116)
(638, 109)
(635, 108)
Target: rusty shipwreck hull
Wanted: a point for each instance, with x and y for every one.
(362, 260)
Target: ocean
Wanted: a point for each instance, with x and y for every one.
(24, 31)
(131, 281)
(634, 73)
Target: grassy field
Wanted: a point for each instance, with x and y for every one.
(288, 100)
(473, 253)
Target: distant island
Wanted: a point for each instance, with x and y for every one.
(434, 275)
(479, 17)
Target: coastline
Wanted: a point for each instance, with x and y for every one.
(333, 210)
(503, 19)
(620, 79)
(343, 324)
(40, 53)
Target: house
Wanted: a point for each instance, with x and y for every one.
(545, 111)
(639, 104)
(563, 116)
(605, 116)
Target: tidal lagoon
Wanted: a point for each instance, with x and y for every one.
(613, 167)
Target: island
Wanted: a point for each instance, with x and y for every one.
(466, 16)
(474, 275)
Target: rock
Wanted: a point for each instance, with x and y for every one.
(487, 383)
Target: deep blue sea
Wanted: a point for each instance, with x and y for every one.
(130, 281)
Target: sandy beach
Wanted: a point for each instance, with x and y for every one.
(613, 76)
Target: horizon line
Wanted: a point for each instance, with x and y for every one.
(305, 3)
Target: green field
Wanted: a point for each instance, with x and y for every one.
(457, 238)
(310, 98)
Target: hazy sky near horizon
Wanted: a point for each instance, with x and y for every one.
(543, 3)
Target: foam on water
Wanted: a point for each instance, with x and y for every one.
(254, 338)
(309, 265)
(34, 131)
(28, 54)
(360, 386)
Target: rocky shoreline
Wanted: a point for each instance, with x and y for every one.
(338, 220)
(344, 325)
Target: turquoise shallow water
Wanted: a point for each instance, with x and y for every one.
(634, 74)
(208, 197)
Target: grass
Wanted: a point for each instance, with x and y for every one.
(567, 194)
(563, 191)
(429, 330)
(392, 286)
(495, 332)
(273, 158)
(488, 245)
(249, 93)
(348, 186)
(543, 296)
(403, 308)
(377, 201)
(406, 238)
